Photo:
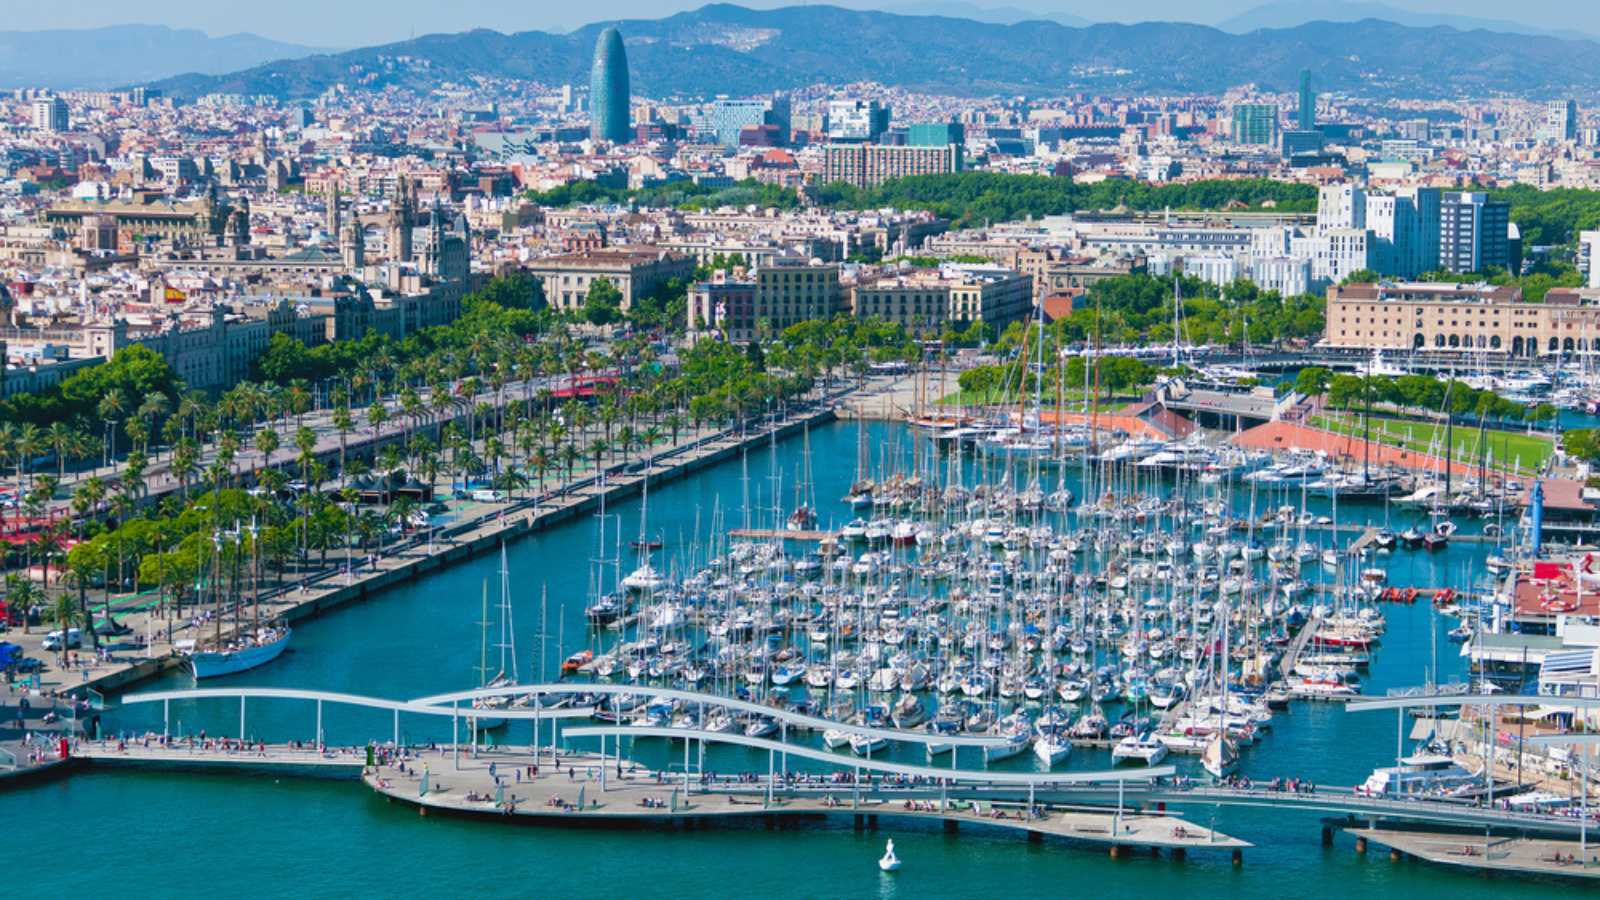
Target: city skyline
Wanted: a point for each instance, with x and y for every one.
(365, 23)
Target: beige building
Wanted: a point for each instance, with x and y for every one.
(1461, 318)
(634, 271)
(1056, 272)
(784, 292)
(926, 301)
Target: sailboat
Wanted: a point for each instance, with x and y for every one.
(248, 648)
(1220, 756)
(508, 650)
(645, 578)
(804, 517)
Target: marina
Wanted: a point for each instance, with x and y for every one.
(1000, 621)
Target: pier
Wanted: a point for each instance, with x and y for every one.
(1118, 808)
(782, 534)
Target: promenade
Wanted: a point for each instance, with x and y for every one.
(474, 527)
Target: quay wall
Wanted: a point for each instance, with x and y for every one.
(482, 536)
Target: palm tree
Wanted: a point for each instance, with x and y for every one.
(110, 409)
(154, 407)
(59, 436)
(266, 445)
(185, 461)
(22, 595)
(570, 457)
(598, 448)
(8, 446)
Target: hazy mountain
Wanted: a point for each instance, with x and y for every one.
(1290, 13)
(123, 54)
(733, 50)
(1002, 15)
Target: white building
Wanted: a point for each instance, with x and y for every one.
(1212, 268)
(1589, 256)
(1335, 254)
(1341, 206)
(50, 115)
(1284, 274)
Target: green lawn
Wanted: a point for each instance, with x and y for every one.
(1072, 400)
(1529, 451)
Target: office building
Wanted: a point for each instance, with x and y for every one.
(1474, 232)
(868, 165)
(609, 95)
(50, 115)
(862, 121)
(1336, 253)
(723, 120)
(1560, 121)
(935, 134)
(1307, 118)
(1302, 143)
(1255, 124)
(1341, 206)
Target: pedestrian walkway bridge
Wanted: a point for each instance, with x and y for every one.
(1120, 807)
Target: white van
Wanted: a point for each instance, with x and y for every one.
(487, 495)
(53, 640)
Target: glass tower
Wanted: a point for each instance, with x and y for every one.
(608, 90)
(1308, 103)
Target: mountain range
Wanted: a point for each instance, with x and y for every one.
(1289, 13)
(726, 49)
(96, 58)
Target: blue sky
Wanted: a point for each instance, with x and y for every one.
(349, 23)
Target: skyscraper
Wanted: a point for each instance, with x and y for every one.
(608, 90)
(1255, 123)
(1308, 103)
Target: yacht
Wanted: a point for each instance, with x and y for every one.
(1139, 748)
(1429, 771)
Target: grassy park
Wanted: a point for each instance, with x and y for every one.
(1519, 449)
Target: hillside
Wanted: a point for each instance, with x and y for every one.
(94, 58)
(732, 50)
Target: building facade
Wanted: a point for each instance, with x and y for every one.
(1444, 317)
(1255, 124)
(634, 272)
(1474, 232)
(869, 165)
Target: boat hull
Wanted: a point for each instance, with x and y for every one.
(211, 664)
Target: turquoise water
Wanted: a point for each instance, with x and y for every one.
(186, 835)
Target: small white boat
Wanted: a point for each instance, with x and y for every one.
(1136, 748)
(1052, 747)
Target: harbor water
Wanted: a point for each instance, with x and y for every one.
(186, 834)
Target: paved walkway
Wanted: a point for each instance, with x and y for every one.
(1535, 856)
(504, 783)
